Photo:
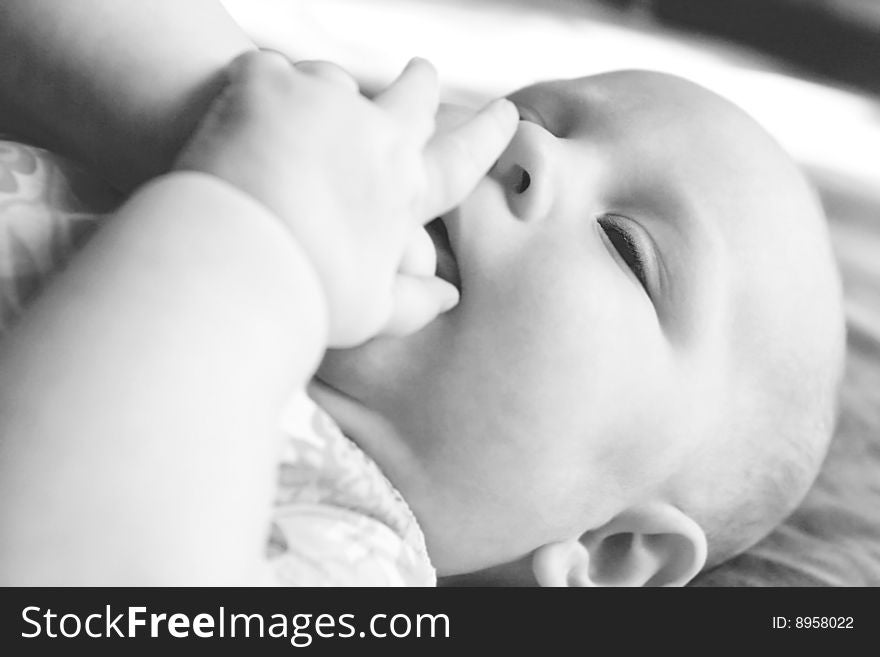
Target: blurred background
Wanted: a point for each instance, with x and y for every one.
(835, 39)
(809, 70)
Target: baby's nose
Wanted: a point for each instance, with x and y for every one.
(524, 171)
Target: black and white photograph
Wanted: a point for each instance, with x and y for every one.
(436, 294)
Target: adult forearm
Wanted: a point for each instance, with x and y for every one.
(140, 394)
(117, 85)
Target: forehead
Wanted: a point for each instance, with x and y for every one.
(629, 93)
(664, 134)
(655, 112)
(737, 202)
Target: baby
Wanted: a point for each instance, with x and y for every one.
(638, 380)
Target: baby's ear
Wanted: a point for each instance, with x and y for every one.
(650, 545)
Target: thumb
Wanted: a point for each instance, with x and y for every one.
(417, 301)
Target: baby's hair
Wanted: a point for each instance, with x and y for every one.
(782, 410)
(771, 462)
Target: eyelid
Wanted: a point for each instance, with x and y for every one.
(644, 245)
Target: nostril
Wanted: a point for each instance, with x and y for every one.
(521, 180)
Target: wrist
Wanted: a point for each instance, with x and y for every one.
(315, 242)
(229, 241)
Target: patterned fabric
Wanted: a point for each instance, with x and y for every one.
(338, 521)
(48, 208)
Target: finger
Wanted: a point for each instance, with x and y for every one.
(259, 65)
(250, 78)
(458, 159)
(420, 256)
(417, 301)
(328, 71)
(412, 99)
(253, 77)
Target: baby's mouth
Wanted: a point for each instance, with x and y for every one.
(447, 265)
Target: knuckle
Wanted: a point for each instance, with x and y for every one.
(329, 71)
(265, 72)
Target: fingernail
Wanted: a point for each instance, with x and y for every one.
(503, 105)
(450, 298)
(429, 67)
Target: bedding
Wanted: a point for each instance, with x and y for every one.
(833, 538)
(489, 48)
(48, 208)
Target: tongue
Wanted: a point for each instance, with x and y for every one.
(447, 267)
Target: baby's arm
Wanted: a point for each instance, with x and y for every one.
(117, 85)
(139, 395)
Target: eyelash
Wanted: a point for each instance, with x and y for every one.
(626, 247)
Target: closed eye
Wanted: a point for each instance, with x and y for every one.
(626, 246)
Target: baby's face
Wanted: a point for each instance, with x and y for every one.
(604, 265)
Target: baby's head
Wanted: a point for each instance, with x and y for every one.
(639, 380)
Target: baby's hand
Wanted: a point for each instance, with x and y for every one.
(354, 179)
